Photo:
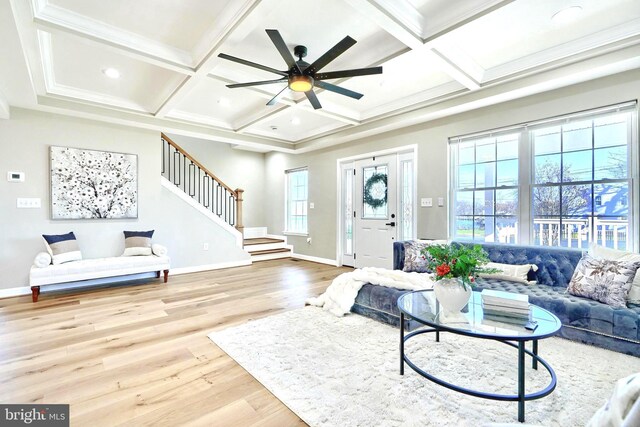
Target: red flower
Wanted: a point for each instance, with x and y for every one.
(443, 270)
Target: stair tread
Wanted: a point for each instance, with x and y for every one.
(270, 251)
(261, 241)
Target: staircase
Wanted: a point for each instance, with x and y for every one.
(263, 247)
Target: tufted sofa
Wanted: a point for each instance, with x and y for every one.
(582, 319)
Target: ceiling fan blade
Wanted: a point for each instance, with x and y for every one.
(278, 41)
(348, 73)
(331, 54)
(313, 99)
(276, 98)
(264, 82)
(338, 89)
(251, 64)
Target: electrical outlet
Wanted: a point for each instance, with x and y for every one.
(205, 246)
(312, 205)
(440, 201)
(309, 240)
(426, 202)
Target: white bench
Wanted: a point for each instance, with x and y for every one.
(96, 268)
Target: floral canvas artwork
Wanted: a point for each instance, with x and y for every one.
(93, 184)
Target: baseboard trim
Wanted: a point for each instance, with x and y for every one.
(218, 266)
(319, 260)
(15, 292)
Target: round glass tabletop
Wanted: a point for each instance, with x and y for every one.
(423, 307)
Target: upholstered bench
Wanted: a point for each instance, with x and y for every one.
(582, 319)
(97, 268)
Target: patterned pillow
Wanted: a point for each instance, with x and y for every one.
(137, 243)
(413, 258)
(603, 280)
(62, 247)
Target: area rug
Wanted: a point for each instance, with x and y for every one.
(335, 371)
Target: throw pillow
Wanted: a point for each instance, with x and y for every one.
(603, 280)
(603, 252)
(137, 243)
(512, 272)
(413, 258)
(62, 247)
(623, 407)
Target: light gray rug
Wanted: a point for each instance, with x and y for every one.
(344, 372)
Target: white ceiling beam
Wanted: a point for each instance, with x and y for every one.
(458, 70)
(243, 15)
(55, 19)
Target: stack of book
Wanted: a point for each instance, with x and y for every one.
(505, 306)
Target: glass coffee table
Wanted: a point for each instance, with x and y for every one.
(423, 307)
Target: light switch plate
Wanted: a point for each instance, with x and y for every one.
(426, 202)
(311, 205)
(440, 201)
(28, 203)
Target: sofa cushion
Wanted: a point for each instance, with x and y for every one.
(137, 243)
(576, 311)
(62, 247)
(603, 280)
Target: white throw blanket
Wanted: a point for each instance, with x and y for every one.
(341, 294)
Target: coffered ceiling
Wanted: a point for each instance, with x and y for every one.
(437, 57)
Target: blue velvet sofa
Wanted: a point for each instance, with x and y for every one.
(584, 320)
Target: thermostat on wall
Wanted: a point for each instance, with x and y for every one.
(15, 176)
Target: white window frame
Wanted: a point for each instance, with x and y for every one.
(287, 213)
(526, 169)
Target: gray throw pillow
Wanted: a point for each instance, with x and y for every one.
(413, 259)
(603, 280)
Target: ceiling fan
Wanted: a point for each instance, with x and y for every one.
(303, 77)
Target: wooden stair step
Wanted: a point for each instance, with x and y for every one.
(270, 251)
(261, 241)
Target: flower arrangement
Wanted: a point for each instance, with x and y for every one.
(457, 260)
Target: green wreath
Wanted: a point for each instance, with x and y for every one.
(368, 198)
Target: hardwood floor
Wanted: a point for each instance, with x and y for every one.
(139, 355)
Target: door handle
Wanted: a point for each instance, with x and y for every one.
(392, 223)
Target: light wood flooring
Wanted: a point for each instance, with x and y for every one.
(139, 355)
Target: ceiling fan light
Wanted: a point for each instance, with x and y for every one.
(300, 83)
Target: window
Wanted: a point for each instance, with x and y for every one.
(297, 182)
(565, 182)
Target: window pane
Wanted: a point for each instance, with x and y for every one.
(507, 202)
(466, 176)
(576, 166)
(485, 175)
(576, 200)
(464, 227)
(466, 153)
(483, 202)
(464, 203)
(508, 147)
(485, 151)
(546, 141)
(611, 163)
(507, 172)
(479, 229)
(506, 230)
(576, 136)
(613, 198)
(612, 233)
(374, 192)
(546, 201)
(610, 131)
(547, 169)
(296, 201)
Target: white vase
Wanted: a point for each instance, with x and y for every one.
(452, 294)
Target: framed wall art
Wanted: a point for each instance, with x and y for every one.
(87, 184)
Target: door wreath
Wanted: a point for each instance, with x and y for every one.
(368, 187)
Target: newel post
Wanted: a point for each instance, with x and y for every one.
(239, 199)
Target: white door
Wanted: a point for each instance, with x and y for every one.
(375, 211)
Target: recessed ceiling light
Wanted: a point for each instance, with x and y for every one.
(567, 15)
(295, 121)
(224, 102)
(112, 73)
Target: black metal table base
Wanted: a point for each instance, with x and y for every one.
(521, 397)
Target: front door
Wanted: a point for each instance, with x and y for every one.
(375, 211)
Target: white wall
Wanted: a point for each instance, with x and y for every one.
(432, 164)
(24, 146)
(236, 168)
